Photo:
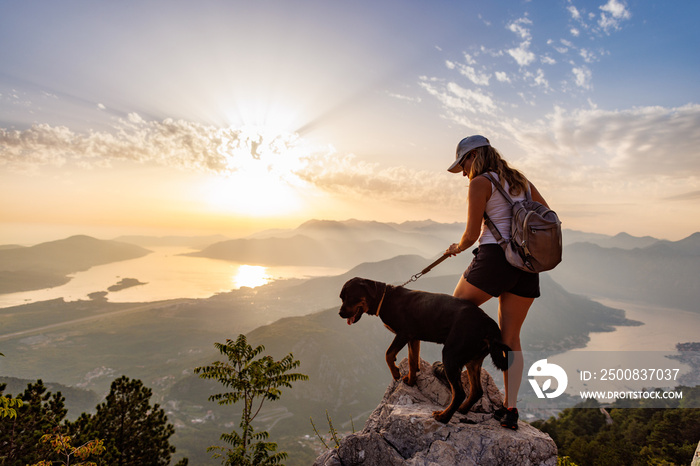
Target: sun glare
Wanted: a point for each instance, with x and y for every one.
(250, 276)
(260, 178)
(251, 195)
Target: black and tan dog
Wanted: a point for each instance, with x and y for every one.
(466, 332)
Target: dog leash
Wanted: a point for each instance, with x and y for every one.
(426, 270)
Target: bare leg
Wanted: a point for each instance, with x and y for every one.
(465, 290)
(512, 310)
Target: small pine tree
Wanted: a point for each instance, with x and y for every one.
(20, 436)
(134, 432)
(251, 380)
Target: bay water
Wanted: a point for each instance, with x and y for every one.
(167, 274)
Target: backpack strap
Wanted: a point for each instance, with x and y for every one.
(489, 223)
(503, 191)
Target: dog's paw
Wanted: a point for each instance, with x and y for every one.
(408, 380)
(441, 416)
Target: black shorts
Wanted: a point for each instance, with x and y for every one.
(490, 272)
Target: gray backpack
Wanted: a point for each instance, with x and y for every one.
(535, 243)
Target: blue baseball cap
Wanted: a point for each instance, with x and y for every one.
(463, 148)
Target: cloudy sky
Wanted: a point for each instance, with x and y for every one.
(234, 116)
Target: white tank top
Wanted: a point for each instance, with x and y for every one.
(499, 211)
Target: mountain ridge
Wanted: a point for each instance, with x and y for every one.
(664, 272)
(48, 264)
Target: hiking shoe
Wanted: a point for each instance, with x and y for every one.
(500, 413)
(510, 419)
(439, 372)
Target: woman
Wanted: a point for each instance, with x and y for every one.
(489, 274)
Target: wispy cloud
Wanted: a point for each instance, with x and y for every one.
(195, 147)
(530, 65)
(589, 149)
(605, 146)
(584, 149)
(520, 27)
(575, 14)
(582, 76)
(175, 143)
(406, 98)
(350, 176)
(478, 78)
(691, 196)
(605, 19)
(613, 13)
(456, 97)
(502, 76)
(522, 53)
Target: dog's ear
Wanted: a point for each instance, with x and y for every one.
(370, 288)
(350, 285)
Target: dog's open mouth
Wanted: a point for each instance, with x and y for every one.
(357, 311)
(356, 317)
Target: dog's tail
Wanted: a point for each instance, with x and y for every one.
(500, 354)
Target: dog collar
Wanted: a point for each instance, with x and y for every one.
(381, 301)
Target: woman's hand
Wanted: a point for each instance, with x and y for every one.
(454, 249)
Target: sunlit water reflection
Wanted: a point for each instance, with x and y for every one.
(168, 275)
(250, 276)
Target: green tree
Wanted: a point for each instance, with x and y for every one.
(20, 436)
(134, 432)
(252, 380)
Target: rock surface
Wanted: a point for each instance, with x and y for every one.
(696, 457)
(402, 431)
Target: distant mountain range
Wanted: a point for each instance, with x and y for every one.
(621, 240)
(348, 243)
(336, 244)
(195, 242)
(664, 272)
(429, 235)
(302, 251)
(620, 266)
(48, 264)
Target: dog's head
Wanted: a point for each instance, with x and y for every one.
(359, 295)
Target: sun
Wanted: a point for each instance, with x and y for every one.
(260, 177)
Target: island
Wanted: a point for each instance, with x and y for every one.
(125, 283)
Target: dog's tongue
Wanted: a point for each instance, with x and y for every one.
(350, 320)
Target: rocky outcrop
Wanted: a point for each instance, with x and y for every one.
(696, 457)
(402, 431)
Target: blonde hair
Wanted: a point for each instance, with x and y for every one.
(488, 159)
